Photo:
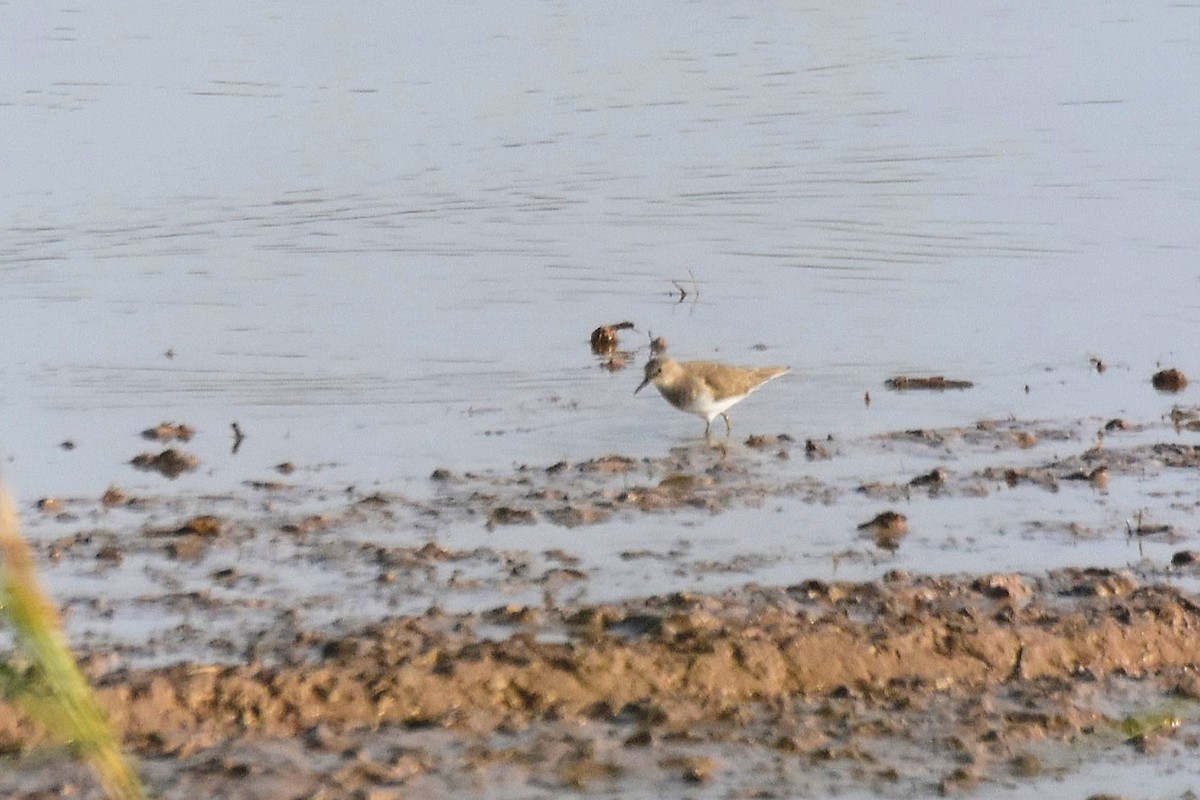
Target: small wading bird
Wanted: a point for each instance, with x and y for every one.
(705, 388)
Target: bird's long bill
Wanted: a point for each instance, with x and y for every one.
(641, 386)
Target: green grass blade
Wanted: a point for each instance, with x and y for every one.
(61, 699)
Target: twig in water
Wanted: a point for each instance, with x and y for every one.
(683, 292)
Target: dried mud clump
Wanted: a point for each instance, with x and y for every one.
(190, 540)
(508, 515)
(169, 432)
(170, 462)
(1186, 558)
(50, 505)
(933, 479)
(1169, 380)
(765, 441)
(815, 451)
(114, 496)
(604, 338)
(887, 528)
(610, 464)
(935, 383)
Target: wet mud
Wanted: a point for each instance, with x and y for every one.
(853, 675)
(295, 645)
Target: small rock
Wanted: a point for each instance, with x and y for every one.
(1185, 558)
(1002, 587)
(169, 431)
(935, 383)
(170, 462)
(507, 515)
(959, 781)
(187, 548)
(204, 525)
(612, 464)
(1169, 380)
(886, 519)
(1100, 583)
(434, 551)
(683, 482)
(576, 514)
(888, 528)
(1026, 440)
(110, 554)
(933, 478)
(50, 505)
(693, 769)
(1026, 765)
(604, 338)
(642, 737)
(815, 451)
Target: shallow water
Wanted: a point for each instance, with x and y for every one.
(378, 238)
(381, 239)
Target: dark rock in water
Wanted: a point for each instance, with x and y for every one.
(169, 431)
(1169, 380)
(1185, 558)
(935, 383)
(170, 462)
(50, 505)
(114, 496)
(604, 338)
(611, 464)
(935, 477)
(888, 528)
(507, 515)
(815, 450)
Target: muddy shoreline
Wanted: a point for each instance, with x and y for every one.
(851, 675)
(256, 685)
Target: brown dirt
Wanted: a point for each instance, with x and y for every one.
(818, 671)
(908, 685)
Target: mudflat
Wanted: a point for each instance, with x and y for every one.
(313, 642)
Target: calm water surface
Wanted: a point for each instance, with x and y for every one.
(378, 237)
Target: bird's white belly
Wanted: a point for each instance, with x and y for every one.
(709, 408)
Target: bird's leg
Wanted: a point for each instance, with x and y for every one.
(728, 424)
(707, 429)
